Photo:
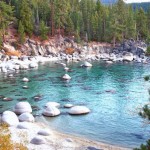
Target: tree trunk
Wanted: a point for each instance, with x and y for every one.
(114, 41)
(37, 17)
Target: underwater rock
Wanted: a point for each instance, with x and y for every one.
(53, 104)
(66, 77)
(25, 80)
(68, 105)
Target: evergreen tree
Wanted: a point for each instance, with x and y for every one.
(61, 13)
(145, 113)
(6, 16)
(25, 16)
(141, 23)
(21, 33)
(43, 30)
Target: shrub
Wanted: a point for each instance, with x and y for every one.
(5, 140)
(146, 78)
(148, 51)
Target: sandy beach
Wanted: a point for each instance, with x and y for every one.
(56, 140)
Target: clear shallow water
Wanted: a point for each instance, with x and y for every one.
(112, 92)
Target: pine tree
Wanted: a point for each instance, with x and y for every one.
(61, 13)
(145, 113)
(25, 16)
(141, 23)
(43, 30)
(130, 31)
(6, 16)
(21, 33)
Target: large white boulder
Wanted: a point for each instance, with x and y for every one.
(25, 80)
(22, 107)
(128, 57)
(10, 118)
(51, 111)
(87, 64)
(53, 104)
(79, 110)
(26, 117)
(66, 77)
(38, 140)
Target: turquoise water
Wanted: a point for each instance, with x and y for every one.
(114, 93)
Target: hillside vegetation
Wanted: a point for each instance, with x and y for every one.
(87, 20)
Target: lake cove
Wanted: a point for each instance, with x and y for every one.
(114, 93)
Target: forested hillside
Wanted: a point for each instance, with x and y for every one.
(87, 20)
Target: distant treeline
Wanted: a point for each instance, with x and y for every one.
(145, 6)
(87, 20)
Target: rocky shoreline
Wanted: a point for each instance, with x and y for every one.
(32, 53)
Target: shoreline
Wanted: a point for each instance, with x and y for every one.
(83, 139)
(57, 140)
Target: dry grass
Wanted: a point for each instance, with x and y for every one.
(6, 142)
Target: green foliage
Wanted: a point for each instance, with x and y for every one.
(77, 37)
(25, 16)
(145, 113)
(146, 78)
(148, 50)
(144, 147)
(21, 33)
(89, 17)
(6, 16)
(43, 30)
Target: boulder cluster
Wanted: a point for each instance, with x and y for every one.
(22, 117)
(129, 50)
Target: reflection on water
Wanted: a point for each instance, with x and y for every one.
(112, 92)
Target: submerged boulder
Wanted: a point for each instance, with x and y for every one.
(22, 107)
(25, 80)
(51, 111)
(10, 118)
(66, 77)
(26, 117)
(68, 105)
(87, 64)
(79, 110)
